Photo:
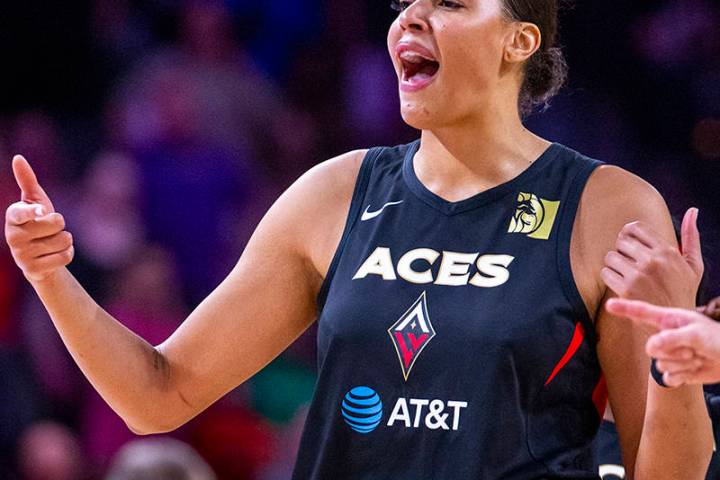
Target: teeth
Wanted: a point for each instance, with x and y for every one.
(414, 57)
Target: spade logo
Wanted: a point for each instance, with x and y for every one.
(411, 334)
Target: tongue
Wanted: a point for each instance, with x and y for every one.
(423, 72)
(420, 77)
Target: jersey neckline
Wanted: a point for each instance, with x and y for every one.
(479, 199)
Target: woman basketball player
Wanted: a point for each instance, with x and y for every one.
(456, 282)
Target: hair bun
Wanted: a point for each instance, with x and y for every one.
(545, 74)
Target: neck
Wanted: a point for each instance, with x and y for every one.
(460, 160)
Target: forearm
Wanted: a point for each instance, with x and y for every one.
(127, 372)
(677, 437)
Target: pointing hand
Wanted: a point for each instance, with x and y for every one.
(33, 230)
(687, 345)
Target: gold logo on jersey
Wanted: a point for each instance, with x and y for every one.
(534, 216)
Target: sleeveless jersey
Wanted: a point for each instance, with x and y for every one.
(452, 340)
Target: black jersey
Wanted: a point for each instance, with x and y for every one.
(453, 342)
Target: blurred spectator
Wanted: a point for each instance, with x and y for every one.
(50, 451)
(108, 227)
(159, 459)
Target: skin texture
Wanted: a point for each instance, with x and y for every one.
(472, 139)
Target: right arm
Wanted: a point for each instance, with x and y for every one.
(266, 302)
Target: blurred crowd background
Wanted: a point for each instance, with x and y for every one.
(163, 130)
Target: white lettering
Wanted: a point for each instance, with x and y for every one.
(405, 270)
(378, 263)
(455, 269)
(419, 403)
(400, 412)
(492, 271)
(456, 406)
(435, 416)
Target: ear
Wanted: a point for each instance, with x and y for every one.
(523, 41)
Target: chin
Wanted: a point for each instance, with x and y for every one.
(419, 115)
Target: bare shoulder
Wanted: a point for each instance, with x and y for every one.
(311, 214)
(619, 197)
(612, 199)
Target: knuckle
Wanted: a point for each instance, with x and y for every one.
(608, 257)
(12, 237)
(58, 220)
(631, 228)
(67, 255)
(668, 252)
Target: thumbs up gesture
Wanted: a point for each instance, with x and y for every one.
(645, 267)
(33, 230)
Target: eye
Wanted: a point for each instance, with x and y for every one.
(399, 5)
(450, 5)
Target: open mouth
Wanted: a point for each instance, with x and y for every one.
(418, 68)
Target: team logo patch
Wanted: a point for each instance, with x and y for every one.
(534, 216)
(411, 334)
(362, 409)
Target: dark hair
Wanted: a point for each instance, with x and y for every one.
(546, 71)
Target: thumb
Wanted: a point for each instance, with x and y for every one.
(690, 237)
(31, 190)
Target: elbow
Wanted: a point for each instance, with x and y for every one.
(144, 428)
(140, 431)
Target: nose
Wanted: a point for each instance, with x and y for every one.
(414, 17)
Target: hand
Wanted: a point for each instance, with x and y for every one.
(687, 347)
(34, 232)
(643, 267)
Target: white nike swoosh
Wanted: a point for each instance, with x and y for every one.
(368, 215)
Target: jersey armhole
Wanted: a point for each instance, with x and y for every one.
(361, 185)
(564, 263)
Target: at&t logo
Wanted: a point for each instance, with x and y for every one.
(362, 409)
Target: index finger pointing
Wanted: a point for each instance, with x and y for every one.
(647, 314)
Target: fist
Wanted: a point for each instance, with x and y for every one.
(34, 232)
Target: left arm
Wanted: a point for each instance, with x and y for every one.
(664, 434)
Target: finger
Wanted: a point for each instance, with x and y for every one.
(49, 245)
(613, 280)
(21, 213)
(691, 246)
(25, 177)
(49, 263)
(678, 379)
(641, 232)
(673, 367)
(43, 226)
(679, 354)
(619, 263)
(661, 344)
(647, 314)
(632, 248)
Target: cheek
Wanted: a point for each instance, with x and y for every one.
(394, 35)
(472, 63)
